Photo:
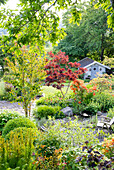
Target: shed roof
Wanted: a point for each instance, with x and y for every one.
(86, 61)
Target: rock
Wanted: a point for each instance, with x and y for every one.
(85, 115)
(99, 113)
(67, 111)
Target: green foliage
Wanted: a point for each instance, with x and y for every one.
(90, 38)
(49, 143)
(70, 133)
(35, 23)
(105, 101)
(92, 108)
(27, 67)
(89, 157)
(3, 55)
(24, 131)
(103, 82)
(7, 115)
(16, 152)
(108, 6)
(58, 147)
(3, 1)
(110, 113)
(15, 123)
(55, 100)
(108, 61)
(2, 88)
(45, 111)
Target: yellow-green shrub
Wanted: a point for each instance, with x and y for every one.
(24, 131)
(15, 123)
(17, 151)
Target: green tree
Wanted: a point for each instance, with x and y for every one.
(3, 1)
(26, 69)
(36, 22)
(108, 6)
(91, 37)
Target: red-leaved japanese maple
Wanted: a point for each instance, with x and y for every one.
(59, 69)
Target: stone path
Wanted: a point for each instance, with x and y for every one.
(14, 106)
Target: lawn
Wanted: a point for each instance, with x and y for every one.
(50, 91)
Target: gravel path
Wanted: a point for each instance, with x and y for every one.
(14, 106)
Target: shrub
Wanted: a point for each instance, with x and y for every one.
(15, 153)
(23, 131)
(48, 162)
(111, 113)
(53, 101)
(7, 115)
(105, 100)
(15, 123)
(45, 111)
(92, 108)
(87, 157)
(108, 146)
(102, 82)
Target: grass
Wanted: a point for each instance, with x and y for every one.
(2, 89)
(50, 91)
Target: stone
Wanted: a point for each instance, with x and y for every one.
(85, 115)
(67, 111)
(99, 113)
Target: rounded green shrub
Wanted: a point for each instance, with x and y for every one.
(92, 108)
(26, 132)
(44, 111)
(106, 100)
(15, 123)
(7, 115)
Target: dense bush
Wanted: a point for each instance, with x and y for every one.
(7, 115)
(105, 100)
(23, 131)
(15, 123)
(92, 108)
(16, 152)
(45, 111)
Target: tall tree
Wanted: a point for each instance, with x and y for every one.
(90, 37)
(36, 21)
(3, 1)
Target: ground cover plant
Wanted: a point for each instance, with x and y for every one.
(62, 146)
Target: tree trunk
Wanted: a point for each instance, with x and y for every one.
(102, 47)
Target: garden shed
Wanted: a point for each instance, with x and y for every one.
(93, 68)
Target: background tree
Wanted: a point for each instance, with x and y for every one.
(91, 37)
(36, 22)
(26, 69)
(3, 55)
